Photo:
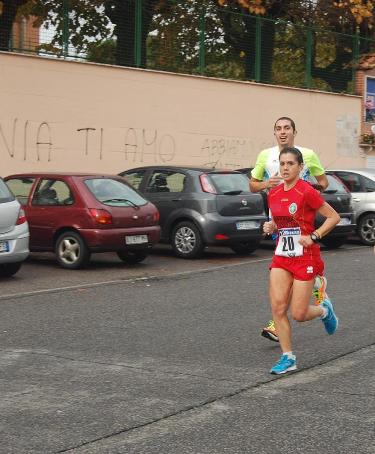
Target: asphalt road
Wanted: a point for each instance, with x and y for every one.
(166, 358)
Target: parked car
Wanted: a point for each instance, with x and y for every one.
(361, 184)
(77, 214)
(14, 233)
(200, 207)
(339, 198)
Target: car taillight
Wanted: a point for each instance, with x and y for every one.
(156, 216)
(21, 217)
(101, 216)
(207, 186)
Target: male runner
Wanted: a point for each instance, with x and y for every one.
(265, 175)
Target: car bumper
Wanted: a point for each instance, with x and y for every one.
(18, 249)
(224, 230)
(346, 226)
(102, 240)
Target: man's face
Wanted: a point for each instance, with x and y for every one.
(284, 134)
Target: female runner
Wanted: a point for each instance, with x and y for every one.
(296, 261)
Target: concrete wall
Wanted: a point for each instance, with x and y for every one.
(68, 116)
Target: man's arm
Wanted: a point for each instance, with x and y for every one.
(322, 182)
(257, 185)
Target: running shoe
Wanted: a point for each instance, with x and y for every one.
(330, 321)
(285, 364)
(319, 290)
(269, 332)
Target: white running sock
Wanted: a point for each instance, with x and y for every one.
(325, 312)
(289, 355)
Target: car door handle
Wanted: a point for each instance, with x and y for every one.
(176, 200)
(355, 199)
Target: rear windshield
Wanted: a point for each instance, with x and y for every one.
(334, 184)
(5, 194)
(230, 183)
(114, 193)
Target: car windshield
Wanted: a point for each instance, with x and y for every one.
(230, 183)
(5, 194)
(114, 192)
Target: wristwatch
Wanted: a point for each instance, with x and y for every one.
(314, 237)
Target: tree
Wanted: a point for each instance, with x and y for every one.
(342, 16)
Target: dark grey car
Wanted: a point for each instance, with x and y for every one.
(338, 196)
(200, 207)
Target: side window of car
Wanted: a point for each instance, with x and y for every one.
(134, 178)
(21, 188)
(164, 181)
(53, 192)
(352, 181)
(368, 184)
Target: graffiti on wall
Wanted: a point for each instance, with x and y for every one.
(37, 143)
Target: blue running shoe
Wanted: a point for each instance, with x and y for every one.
(285, 364)
(331, 322)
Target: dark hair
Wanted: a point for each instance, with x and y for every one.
(293, 125)
(292, 150)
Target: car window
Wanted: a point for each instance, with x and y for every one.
(334, 184)
(351, 180)
(114, 192)
(52, 192)
(134, 178)
(21, 188)
(369, 184)
(166, 181)
(5, 193)
(230, 182)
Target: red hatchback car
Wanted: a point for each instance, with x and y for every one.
(74, 214)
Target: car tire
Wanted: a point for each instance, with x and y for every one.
(71, 251)
(9, 269)
(245, 247)
(334, 242)
(366, 229)
(132, 257)
(187, 240)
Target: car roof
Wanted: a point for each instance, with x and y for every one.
(181, 167)
(365, 172)
(61, 174)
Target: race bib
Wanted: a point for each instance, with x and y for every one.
(288, 245)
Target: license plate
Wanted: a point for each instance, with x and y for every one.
(4, 246)
(247, 225)
(344, 221)
(136, 239)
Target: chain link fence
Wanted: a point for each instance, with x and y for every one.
(187, 37)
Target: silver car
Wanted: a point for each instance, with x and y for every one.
(14, 233)
(361, 184)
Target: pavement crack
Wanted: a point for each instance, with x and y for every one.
(212, 400)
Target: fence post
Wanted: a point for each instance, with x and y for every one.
(138, 33)
(202, 44)
(356, 51)
(309, 44)
(65, 28)
(258, 48)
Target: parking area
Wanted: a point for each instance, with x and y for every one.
(41, 272)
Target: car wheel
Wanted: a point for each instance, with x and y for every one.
(366, 229)
(244, 247)
(132, 257)
(187, 240)
(71, 251)
(335, 242)
(8, 269)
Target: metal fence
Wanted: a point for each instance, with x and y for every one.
(189, 37)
